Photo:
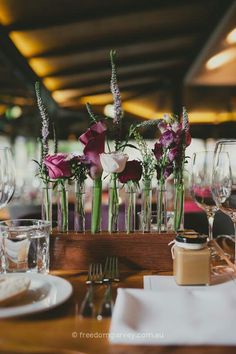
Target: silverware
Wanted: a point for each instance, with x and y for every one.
(110, 274)
(95, 276)
(111, 270)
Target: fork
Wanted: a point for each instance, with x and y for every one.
(110, 274)
(95, 276)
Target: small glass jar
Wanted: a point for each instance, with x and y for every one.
(191, 260)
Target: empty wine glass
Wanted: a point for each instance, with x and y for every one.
(201, 183)
(7, 188)
(224, 178)
(7, 176)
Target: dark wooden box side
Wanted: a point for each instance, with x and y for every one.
(139, 251)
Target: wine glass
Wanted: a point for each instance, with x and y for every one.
(7, 176)
(201, 183)
(224, 178)
(7, 188)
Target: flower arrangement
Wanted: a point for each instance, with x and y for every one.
(148, 170)
(43, 171)
(166, 158)
(56, 169)
(169, 152)
(111, 162)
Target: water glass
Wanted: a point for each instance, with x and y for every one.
(25, 245)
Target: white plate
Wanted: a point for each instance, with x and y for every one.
(45, 292)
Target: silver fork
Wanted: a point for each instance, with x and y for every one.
(110, 274)
(95, 276)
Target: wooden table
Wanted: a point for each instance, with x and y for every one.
(63, 331)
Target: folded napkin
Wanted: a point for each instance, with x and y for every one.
(173, 315)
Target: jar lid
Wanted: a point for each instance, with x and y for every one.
(191, 237)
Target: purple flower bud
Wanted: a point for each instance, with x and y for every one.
(158, 151)
(168, 171)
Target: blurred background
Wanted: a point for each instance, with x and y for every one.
(170, 53)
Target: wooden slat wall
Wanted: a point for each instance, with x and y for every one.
(139, 251)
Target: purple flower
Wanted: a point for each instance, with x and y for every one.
(158, 150)
(168, 170)
(168, 138)
(58, 165)
(162, 126)
(173, 154)
(115, 92)
(132, 172)
(94, 141)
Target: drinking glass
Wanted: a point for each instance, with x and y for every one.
(224, 178)
(201, 184)
(7, 176)
(25, 245)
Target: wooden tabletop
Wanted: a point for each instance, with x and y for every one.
(63, 331)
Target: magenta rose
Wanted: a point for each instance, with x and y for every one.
(58, 165)
(94, 141)
(158, 151)
(132, 172)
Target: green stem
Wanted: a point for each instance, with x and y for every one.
(146, 206)
(64, 209)
(79, 217)
(178, 204)
(113, 211)
(47, 203)
(96, 209)
(160, 206)
(130, 207)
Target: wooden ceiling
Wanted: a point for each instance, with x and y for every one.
(66, 44)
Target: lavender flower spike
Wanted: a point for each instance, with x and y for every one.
(45, 121)
(115, 91)
(185, 123)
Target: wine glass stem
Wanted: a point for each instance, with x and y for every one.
(210, 218)
(235, 242)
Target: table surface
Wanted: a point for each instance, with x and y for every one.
(63, 331)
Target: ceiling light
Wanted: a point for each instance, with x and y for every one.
(221, 58)
(231, 38)
(141, 110)
(100, 99)
(61, 96)
(109, 111)
(13, 112)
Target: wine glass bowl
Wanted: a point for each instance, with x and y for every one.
(201, 185)
(224, 178)
(7, 176)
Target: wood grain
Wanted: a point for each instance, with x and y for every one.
(135, 251)
(61, 330)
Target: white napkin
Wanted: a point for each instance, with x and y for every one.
(175, 315)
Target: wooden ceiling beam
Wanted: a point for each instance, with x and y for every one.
(130, 87)
(18, 65)
(124, 69)
(102, 66)
(157, 68)
(129, 39)
(45, 15)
